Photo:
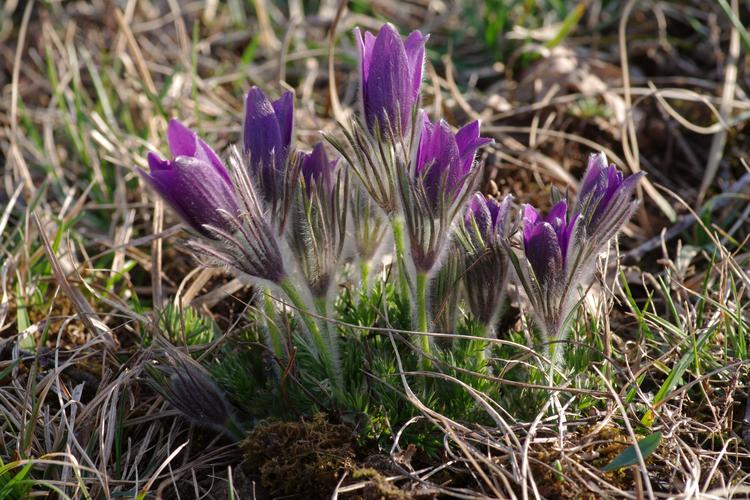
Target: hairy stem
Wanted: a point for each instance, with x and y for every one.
(329, 332)
(320, 343)
(274, 334)
(398, 239)
(422, 323)
(364, 274)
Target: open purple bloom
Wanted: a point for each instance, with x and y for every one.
(247, 242)
(606, 197)
(390, 77)
(194, 183)
(445, 159)
(559, 255)
(317, 169)
(436, 185)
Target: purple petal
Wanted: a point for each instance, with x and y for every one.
(195, 190)
(316, 168)
(469, 141)
(478, 212)
(387, 97)
(494, 208)
(558, 214)
(156, 163)
(530, 220)
(594, 175)
(182, 141)
(444, 172)
(261, 133)
(284, 109)
(365, 44)
(543, 252)
(414, 46)
(566, 236)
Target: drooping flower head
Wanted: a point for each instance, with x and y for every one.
(390, 78)
(194, 183)
(317, 169)
(605, 198)
(445, 158)
(247, 244)
(546, 240)
(189, 388)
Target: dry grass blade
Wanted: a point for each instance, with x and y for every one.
(86, 313)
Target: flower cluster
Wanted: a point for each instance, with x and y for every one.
(559, 250)
(281, 217)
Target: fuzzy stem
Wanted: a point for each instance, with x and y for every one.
(487, 331)
(397, 223)
(422, 323)
(364, 274)
(329, 332)
(276, 344)
(318, 339)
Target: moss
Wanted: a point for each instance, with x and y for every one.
(306, 458)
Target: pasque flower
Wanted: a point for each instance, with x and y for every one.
(369, 229)
(559, 251)
(267, 134)
(190, 389)
(247, 243)
(317, 170)
(546, 240)
(317, 236)
(445, 290)
(390, 78)
(605, 198)
(435, 187)
(319, 225)
(486, 226)
(251, 247)
(194, 183)
(381, 140)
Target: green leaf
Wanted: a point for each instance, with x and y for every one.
(628, 456)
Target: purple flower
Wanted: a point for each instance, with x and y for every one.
(485, 230)
(194, 183)
(267, 136)
(445, 159)
(436, 186)
(390, 78)
(605, 198)
(486, 219)
(317, 170)
(247, 243)
(318, 229)
(546, 240)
